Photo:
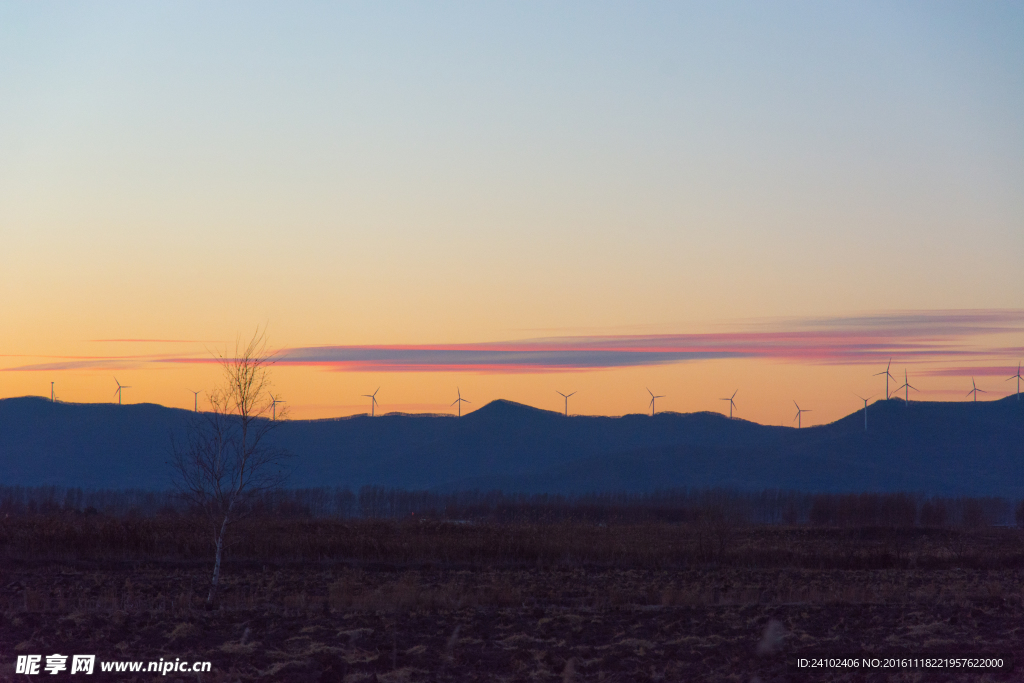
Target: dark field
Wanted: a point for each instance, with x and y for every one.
(321, 600)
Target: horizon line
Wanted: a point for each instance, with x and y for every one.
(397, 413)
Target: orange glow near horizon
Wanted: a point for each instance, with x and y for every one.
(821, 364)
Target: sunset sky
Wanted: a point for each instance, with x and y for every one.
(514, 199)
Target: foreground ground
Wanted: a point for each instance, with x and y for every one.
(726, 619)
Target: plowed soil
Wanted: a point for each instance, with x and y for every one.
(346, 622)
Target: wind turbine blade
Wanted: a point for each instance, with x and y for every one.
(650, 392)
(734, 394)
(572, 394)
(466, 400)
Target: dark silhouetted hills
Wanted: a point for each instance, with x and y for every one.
(937, 448)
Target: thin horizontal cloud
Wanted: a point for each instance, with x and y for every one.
(157, 341)
(83, 364)
(522, 356)
(908, 336)
(920, 323)
(548, 355)
(913, 336)
(868, 340)
(61, 363)
(1003, 371)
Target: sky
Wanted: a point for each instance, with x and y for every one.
(514, 199)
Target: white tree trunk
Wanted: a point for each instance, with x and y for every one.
(216, 565)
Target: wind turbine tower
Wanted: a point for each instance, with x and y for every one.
(652, 400)
(51, 387)
(975, 390)
(118, 390)
(566, 397)
(373, 401)
(887, 376)
(865, 409)
(906, 389)
(799, 411)
(732, 404)
(195, 402)
(273, 405)
(459, 401)
(1016, 377)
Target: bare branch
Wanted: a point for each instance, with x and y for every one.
(227, 457)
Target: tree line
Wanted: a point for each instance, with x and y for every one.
(768, 507)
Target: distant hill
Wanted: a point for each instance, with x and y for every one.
(938, 448)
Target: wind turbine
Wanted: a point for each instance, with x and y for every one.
(373, 400)
(566, 397)
(887, 376)
(799, 412)
(273, 405)
(119, 388)
(906, 389)
(732, 404)
(865, 409)
(1016, 377)
(459, 401)
(195, 407)
(975, 390)
(652, 400)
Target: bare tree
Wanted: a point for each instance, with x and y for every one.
(227, 458)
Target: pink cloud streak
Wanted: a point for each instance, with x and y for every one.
(914, 337)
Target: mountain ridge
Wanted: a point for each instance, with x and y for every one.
(932, 447)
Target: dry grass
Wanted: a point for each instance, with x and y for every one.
(76, 538)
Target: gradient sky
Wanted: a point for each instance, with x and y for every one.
(514, 198)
